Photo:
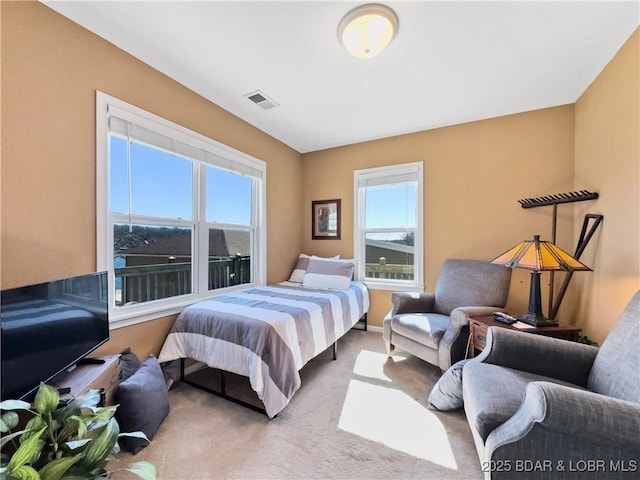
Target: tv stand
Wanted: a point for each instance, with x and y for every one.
(90, 361)
(98, 374)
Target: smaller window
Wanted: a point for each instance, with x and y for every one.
(388, 226)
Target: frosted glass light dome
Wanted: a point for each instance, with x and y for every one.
(367, 30)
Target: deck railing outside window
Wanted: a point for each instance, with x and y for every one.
(390, 271)
(152, 282)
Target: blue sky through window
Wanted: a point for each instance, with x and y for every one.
(161, 186)
(228, 197)
(391, 206)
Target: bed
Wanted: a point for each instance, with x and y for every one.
(266, 334)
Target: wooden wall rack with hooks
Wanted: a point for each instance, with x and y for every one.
(585, 235)
(557, 198)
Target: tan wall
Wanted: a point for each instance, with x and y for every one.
(607, 160)
(51, 69)
(474, 175)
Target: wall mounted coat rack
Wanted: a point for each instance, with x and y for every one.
(558, 198)
(585, 235)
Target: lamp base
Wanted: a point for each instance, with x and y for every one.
(537, 320)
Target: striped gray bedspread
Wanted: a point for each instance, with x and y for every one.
(267, 333)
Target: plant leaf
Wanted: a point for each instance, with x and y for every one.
(46, 400)
(32, 427)
(100, 447)
(73, 428)
(8, 420)
(73, 445)
(14, 405)
(144, 470)
(7, 438)
(25, 452)
(87, 400)
(101, 416)
(55, 469)
(74, 407)
(25, 472)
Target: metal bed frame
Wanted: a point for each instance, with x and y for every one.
(222, 392)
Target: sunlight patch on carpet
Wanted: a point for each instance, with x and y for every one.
(391, 417)
(371, 364)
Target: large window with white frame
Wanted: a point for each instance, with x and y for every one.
(388, 227)
(180, 216)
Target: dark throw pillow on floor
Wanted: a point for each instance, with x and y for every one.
(129, 364)
(144, 403)
(447, 392)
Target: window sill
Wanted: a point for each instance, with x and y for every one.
(396, 287)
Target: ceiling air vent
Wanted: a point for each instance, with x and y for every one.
(260, 99)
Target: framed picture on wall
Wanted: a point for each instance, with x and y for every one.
(325, 215)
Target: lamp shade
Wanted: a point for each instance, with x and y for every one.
(539, 255)
(367, 30)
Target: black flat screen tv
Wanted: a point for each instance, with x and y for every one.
(47, 328)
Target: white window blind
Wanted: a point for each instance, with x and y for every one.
(376, 180)
(145, 131)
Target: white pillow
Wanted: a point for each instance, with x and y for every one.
(328, 273)
(297, 276)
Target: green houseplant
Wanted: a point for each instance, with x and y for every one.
(69, 441)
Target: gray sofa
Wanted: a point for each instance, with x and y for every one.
(435, 326)
(542, 407)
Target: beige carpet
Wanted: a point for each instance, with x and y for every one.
(362, 416)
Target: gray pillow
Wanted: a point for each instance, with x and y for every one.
(447, 392)
(297, 276)
(144, 403)
(129, 364)
(326, 273)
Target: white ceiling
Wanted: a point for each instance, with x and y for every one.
(451, 62)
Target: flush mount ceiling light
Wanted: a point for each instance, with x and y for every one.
(367, 30)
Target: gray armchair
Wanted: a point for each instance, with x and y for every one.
(435, 326)
(572, 409)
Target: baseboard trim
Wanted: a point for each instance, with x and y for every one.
(374, 328)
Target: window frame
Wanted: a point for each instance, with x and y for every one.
(388, 175)
(218, 155)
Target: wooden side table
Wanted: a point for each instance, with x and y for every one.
(478, 332)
